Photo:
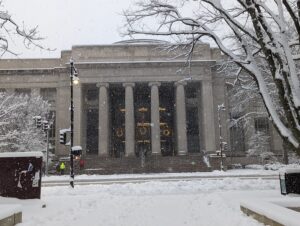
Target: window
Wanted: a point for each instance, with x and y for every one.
(23, 92)
(51, 119)
(48, 94)
(92, 94)
(191, 91)
(261, 125)
(237, 137)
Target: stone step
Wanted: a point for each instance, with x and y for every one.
(11, 219)
(153, 164)
(133, 164)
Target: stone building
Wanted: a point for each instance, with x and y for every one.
(133, 98)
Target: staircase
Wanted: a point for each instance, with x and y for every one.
(152, 164)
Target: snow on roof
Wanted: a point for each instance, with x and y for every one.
(61, 131)
(8, 210)
(142, 41)
(142, 61)
(21, 154)
(289, 170)
(76, 148)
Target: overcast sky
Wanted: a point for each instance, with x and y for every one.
(68, 22)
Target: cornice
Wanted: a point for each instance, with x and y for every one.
(33, 71)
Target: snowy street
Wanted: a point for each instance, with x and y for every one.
(203, 202)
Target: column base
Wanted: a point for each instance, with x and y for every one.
(130, 155)
(104, 155)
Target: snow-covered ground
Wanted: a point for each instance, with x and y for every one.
(216, 173)
(204, 202)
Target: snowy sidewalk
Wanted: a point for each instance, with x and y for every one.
(10, 214)
(191, 203)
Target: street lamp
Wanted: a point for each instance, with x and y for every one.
(221, 107)
(74, 81)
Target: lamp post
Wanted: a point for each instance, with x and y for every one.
(46, 128)
(221, 107)
(73, 81)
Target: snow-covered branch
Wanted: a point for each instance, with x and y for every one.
(10, 29)
(261, 37)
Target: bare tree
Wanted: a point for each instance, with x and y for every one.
(261, 37)
(10, 29)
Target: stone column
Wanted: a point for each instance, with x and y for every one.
(208, 121)
(129, 120)
(181, 135)
(77, 101)
(62, 114)
(155, 120)
(103, 132)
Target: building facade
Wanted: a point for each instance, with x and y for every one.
(133, 98)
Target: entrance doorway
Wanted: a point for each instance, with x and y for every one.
(142, 120)
(92, 131)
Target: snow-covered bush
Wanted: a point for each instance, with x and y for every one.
(18, 131)
(259, 145)
(294, 159)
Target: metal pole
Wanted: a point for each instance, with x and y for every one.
(72, 125)
(221, 138)
(47, 151)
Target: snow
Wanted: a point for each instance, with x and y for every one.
(140, 62)
(8, 210)
(62, 131)
(289, 170)
(275, 212)
(36, 154)
(209, 202)
(216, 173)
(76, 148)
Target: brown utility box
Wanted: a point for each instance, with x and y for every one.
(20, 174)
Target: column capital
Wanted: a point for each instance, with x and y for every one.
(178, 83)
(130, 84)
(154, 84)
(100, 84)
(205, 82)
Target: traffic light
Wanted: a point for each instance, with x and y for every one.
(62, 137)
(45, 125)
(38, 121)
(225, 146)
